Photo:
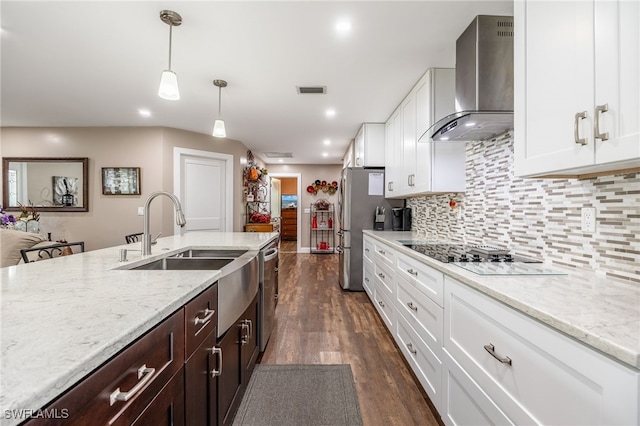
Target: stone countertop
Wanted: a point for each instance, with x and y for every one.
(62, 318)
(601, 312)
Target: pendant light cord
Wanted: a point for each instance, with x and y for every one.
(170, 37)
(219, 101)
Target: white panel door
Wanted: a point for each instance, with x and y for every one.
(276, 194)
(203, 193)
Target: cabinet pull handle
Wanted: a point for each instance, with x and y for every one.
(250, 324)
(576, 133)
(599, 110)
(412, 306)
(412, 272)
(366, 279)
(144, 376)
(217, 351)
(492, 351)
(381, 303)
(367, 250)
(381, 275)
(382, 252)
(410, 347)
(390, 186)
(245, 336)
(208, 314)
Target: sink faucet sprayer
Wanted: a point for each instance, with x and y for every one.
(180, 220)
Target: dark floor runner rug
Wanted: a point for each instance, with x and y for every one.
(296, 395)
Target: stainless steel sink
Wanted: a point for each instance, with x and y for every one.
(211, 253)
(185, 264)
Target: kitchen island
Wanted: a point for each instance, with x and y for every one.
(63, 318)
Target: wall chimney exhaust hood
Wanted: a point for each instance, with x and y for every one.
(484, 83)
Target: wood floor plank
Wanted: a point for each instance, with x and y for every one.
(319, 323)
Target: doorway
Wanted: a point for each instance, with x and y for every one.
(203, 182)
(289, 204)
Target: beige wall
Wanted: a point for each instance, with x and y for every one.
(309, 174)
(110, 217)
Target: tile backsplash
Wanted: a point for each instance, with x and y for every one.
(539, 218)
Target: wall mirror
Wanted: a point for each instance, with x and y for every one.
(50, 184)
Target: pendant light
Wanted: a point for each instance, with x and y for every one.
(218, 126)
(169, 81)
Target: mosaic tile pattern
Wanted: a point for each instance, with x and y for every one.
(539, 218)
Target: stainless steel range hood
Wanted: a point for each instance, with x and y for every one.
(484, 83)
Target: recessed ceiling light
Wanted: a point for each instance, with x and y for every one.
(144, 112)
(327, 142)
(330, 112)
(343, 27)
(281, 161)
(444, 138)
(470, 124)
(324, 154)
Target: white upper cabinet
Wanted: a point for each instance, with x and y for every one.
(369, 146)
(423, 167)
(577, 87)
(392, 160)
(347, 161)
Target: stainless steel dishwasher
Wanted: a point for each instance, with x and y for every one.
(268, 291)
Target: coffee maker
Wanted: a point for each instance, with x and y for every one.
(401, 219)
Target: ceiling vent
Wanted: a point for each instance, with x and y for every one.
(278, 154)
(311, 90)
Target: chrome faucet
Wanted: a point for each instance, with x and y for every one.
(180, 220)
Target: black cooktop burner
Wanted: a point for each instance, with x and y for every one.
(449, 253)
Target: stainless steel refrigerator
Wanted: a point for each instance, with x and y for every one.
(361, 192)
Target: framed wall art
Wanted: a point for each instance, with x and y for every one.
(121, 180)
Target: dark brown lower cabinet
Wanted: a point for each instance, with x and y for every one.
(168, 407)
(123, 388)
(239, 347)
(156, 382)
(201, 383)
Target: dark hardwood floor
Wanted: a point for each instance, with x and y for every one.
(319, 323)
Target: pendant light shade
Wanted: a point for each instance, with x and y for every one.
(218, 129)
(218, 126)
(169, 81)
(169, 86)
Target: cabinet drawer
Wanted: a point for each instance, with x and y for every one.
(385, 308)
(141, 370)
(368, 280)
(545, 377)
(168, 407)
(384, 254)
(201, 317)
(422, 313)
(463, 402)
(426, 279)
(368, 251)
(385, 280)
(424, 363)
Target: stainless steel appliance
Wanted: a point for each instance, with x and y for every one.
(268, 277)
(401, 219)
(483, 260)
(484, 83)
(361, 192)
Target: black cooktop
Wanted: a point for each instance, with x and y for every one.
(449, 253)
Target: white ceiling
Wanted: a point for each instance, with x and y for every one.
(96, 63)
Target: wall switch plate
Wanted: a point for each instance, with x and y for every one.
(140, 211)
(307, 211)
(589, 219)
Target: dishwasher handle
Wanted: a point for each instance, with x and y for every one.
(270, 254)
